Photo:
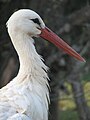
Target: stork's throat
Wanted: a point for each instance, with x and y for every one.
(30, 61)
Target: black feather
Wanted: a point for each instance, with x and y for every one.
(36, 20)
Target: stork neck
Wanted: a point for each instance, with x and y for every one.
(32, 71)
(30, 61)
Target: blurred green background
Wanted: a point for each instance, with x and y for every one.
(70, 79)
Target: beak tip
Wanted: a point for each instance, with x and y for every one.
(83, 60)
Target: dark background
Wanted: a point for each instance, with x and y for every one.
(70, 19)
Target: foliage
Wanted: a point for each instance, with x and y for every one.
(68, 115)
(67, 102)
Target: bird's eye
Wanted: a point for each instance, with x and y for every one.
(36, 20)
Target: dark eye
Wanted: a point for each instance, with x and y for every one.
(36, 20)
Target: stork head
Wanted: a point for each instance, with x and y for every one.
(25, 21)
(28, 22)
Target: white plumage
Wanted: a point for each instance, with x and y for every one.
(26, 96)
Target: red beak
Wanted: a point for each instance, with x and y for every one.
(47, 34)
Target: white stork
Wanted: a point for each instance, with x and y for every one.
(26, 97)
